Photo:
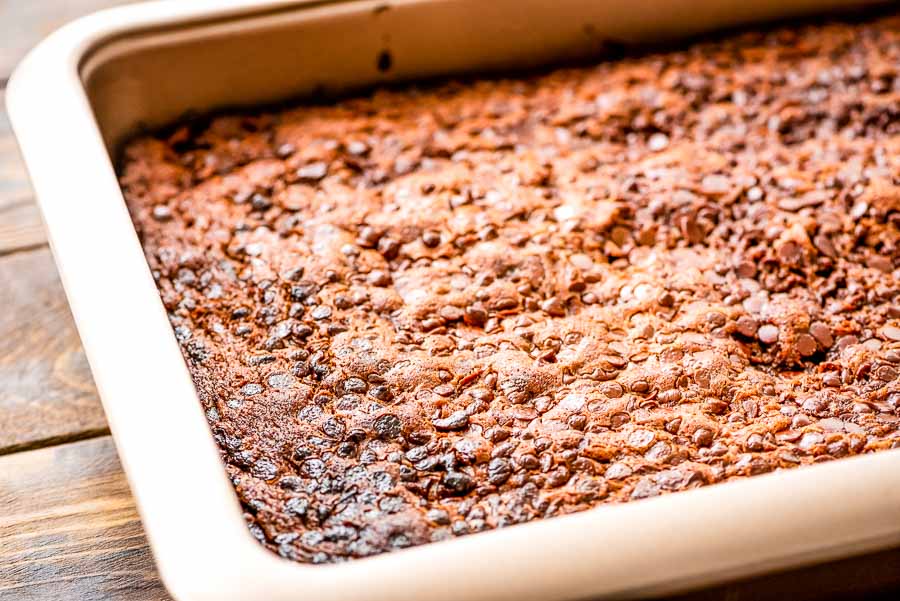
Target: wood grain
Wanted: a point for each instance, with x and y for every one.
(20, 220)
(46, 391)
(873, 577)
(20, 227)
(23, 23)
(14, 186)
(69, 528)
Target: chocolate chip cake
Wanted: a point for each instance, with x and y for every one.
(431, 311)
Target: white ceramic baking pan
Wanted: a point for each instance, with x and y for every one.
(85, 88)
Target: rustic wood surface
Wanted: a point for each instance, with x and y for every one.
(20, 222)
(69, 529)
(14, 185)
(68, 526)
(46, 392)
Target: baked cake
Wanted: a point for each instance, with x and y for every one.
(431, 311)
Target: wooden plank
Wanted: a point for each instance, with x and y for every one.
(70, 529)
(870, 577)
(34, 20)
(14, 186)
(20, 227)
(46, 391)
(20, 220)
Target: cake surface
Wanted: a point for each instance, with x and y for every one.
(433, 311)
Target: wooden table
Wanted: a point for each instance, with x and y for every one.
(68, 526)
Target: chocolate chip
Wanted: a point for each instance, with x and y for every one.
(640, 386)
(672, 395)
(574, 281)
(822, 333)
(303, 290)
(438, 516)
(499, 471)
(251, 389)
(451, 313)
(886, 373)
(553, 306)
(824, 245)
(657, 142)
(618, 471)
(810, 441)
(577, 422)
(285, 150)
(313, 172)
(890, 333)
(388, 247)
(162, 213)
(716, 319)
(259, 202)
(354, 384)
(702, 437)
(612, 390)
(280, 380)
(475, 315)
(832, 380)
(747, 326)
(641, 439)
(431, 238)
(666, 299)
(745, 269)
(379, 278)
(358, 148)
(528, 461)
(333, 427)
(297, 506)
(455, 421)
(320, 312)
(313, 468)
(368, 237)
(380, 392)
(388, 426)
(754, 443)
(768, 334)
(754, 194)
(881, 263)
(458, 483)
(806, 345)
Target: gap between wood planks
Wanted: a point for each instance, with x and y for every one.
(21, 227)
(47, 394)
(50, 441)
(70, 527)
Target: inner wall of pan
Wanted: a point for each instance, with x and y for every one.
(158, 76)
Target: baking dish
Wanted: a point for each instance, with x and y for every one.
(86, 88)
